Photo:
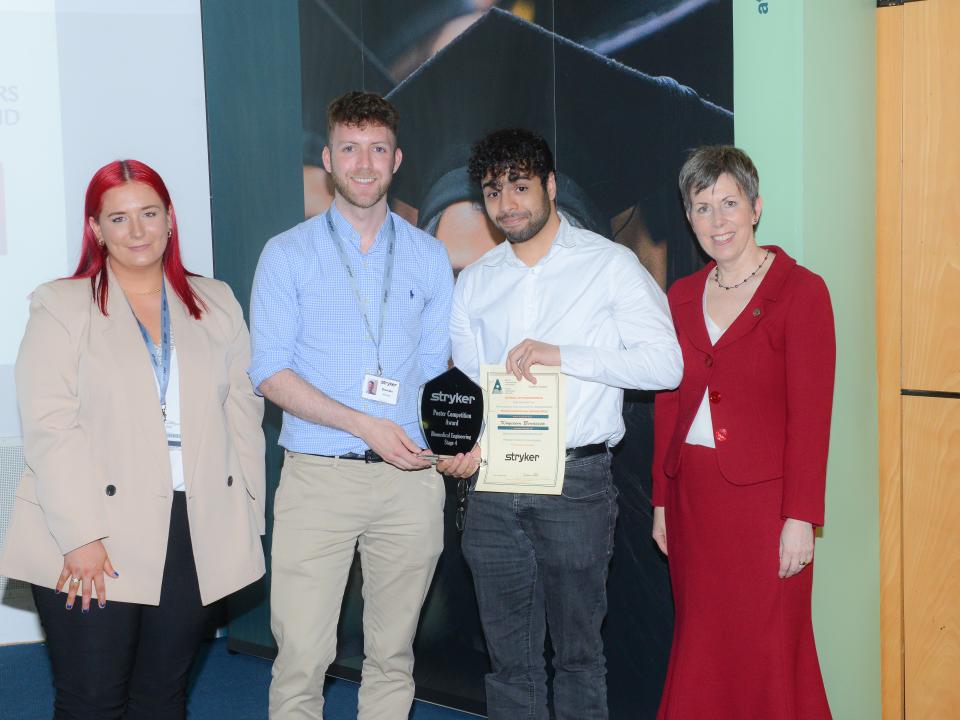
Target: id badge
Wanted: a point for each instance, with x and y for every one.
(380, 389)
(173, 433)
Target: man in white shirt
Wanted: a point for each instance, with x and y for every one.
(552, 295)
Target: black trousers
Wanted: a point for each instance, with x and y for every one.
(128, 660)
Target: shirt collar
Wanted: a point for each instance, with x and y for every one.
(346, 231)
(566, 237)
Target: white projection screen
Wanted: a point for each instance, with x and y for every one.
(84, 82)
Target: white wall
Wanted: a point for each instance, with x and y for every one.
(84, 82)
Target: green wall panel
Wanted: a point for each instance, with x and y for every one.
(804, 89)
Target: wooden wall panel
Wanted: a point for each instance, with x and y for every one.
(931, 196)
(918, 336)
(931, 557)
(889, 193)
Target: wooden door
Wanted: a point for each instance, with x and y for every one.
(918, 335)
(931, 557)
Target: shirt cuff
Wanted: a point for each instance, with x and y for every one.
(659, 491)
(77, 537)
(576, 361)
(260, 372)
(798, 511)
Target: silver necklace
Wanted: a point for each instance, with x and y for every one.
(716, 275)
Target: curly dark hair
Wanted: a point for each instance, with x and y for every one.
(361, 108)
(513, 152)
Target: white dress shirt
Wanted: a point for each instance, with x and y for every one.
(172, 423)
(593, 299)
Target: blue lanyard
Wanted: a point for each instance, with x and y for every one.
(387, 276)
(160, 355)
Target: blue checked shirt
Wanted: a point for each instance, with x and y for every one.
(304, 316)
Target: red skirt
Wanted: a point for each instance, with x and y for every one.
(743, 643)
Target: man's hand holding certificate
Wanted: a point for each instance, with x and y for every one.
(524, 438)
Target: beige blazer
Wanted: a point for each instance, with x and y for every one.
(98, 466)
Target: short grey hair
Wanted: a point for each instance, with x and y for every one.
(706, 164)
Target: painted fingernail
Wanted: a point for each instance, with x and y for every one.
(85, 610)
(102, 605)
(56, 591)
(69, 606)
(116, 574)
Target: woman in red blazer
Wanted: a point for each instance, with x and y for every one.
(740, 456)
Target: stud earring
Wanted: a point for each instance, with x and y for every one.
(169, 233)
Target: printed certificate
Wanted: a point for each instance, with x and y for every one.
(524, 440)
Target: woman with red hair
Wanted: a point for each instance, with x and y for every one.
(142, 501)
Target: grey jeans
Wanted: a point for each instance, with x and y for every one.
(540, 560)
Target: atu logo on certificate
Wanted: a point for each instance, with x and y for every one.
(524, 441)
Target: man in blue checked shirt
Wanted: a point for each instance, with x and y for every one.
(349, 316)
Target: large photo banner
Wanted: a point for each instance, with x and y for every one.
(621, 89)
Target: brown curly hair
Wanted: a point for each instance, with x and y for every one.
(360, 108)
(512, 151)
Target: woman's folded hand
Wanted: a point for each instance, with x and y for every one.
(83, 570)
(796, 547)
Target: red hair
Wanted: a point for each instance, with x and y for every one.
(93, 256)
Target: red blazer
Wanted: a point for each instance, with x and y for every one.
(771, 387)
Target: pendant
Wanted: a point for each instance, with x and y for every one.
(163, 411)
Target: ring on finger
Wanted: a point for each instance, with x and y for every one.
(74, 581)
(802, 563)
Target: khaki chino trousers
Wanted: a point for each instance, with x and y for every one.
(324, 508)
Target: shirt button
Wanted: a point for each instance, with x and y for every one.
(721, 435)
(715, 396)
(111, 490)
(756, 312)
(708, 361)
(229, 480)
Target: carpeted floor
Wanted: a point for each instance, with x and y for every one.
(225, 686)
